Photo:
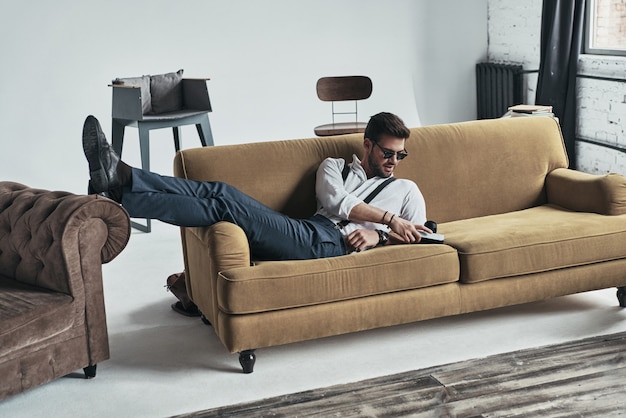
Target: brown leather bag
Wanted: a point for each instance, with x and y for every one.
(176, 284)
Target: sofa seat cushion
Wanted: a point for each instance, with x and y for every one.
(30, 314)
(274, 285)
(534, 240)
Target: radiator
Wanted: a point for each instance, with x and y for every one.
(498, 86)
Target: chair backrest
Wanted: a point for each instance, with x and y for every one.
(341, 89)
(335, 89)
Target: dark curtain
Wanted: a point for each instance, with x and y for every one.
(562, 24)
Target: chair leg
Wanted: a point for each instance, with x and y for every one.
(176, 138)
(204, 132)
(144, 147)
(147, 228)
(117, 136)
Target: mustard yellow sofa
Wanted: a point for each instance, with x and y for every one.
(519, 226)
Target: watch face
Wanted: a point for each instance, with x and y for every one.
(383, 237)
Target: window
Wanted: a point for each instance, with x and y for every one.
(605, 27)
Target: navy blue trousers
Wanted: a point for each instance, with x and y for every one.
(271, 234)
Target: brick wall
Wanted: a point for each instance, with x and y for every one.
(514, 36)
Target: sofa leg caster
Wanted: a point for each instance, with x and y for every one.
(90, 371)
(247, 359)
(621, 296)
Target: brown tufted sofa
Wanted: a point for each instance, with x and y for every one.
(519, 226)
(52, 317)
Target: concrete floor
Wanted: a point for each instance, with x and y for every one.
(164, 364)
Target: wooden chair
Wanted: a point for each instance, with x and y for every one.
(156, 102)
(345, 88)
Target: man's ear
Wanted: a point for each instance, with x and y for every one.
(367, 144)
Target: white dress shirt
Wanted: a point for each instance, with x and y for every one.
(335, 199)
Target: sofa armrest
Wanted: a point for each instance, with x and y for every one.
(583, 192)
(45, 234)
(229, 246)
(207, 251)
(224, 244)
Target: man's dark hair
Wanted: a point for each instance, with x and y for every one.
(386, 123)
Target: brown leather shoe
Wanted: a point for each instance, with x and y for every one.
(103, 161)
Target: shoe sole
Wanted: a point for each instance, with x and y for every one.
(92, 147)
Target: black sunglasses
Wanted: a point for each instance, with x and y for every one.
(387, 154)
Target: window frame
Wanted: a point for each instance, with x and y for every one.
(590, 8)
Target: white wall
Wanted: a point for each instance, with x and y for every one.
(263, 58)
(452, 38)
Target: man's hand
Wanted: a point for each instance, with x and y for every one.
(405, 231)
(362, 239)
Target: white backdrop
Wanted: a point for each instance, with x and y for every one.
(263, 59)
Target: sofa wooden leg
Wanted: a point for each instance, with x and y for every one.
(247, 359)
(90, 371)
(621, 296)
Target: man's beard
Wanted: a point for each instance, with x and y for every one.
(376, 169)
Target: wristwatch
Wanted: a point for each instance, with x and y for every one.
(383, 237)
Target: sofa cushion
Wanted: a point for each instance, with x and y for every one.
(29, 314)
(289, 284)
(534, 240)
(167, 92)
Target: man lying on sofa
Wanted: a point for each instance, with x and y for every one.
(343, 223)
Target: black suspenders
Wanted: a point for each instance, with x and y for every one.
(369, 198)
(344, 173)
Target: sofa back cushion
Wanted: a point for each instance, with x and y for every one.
(486, 167)
(280, 174)
(464, 170)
